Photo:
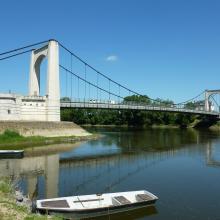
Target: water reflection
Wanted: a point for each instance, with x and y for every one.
(30, 168)
(139, 213)
(37, 162)
(211, 151)
(120, 161)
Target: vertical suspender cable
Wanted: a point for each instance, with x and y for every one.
(109, 91)
(97, 84)
(119, 91)
(71, 67)
(66, 83)
(78, 90)
(89, 92)
(85, 82)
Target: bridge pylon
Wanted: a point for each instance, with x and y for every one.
(208, 93)
(51, 52)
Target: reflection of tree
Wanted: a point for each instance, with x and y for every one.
(155, 139)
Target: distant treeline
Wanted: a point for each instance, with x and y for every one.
(127, 117)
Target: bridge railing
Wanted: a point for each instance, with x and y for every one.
(132, 103)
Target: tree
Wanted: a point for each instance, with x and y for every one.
(138, 99)
(65, 99)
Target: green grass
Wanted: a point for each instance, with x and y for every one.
(13, 140)
(40, 217)
(6, 186)
(15, 207)
(9, 209)
(12, 136)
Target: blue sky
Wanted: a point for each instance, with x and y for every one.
(162, 48)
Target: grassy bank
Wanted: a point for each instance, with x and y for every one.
(10, 209)
(13, 140)
(215, 127)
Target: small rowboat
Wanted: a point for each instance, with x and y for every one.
(9, 154)
(97, 204)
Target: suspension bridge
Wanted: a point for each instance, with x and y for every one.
(74, 83)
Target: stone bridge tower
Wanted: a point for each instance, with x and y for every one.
(52, 96)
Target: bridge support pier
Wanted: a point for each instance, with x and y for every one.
(51, 52)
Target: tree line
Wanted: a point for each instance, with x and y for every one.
(127, 117)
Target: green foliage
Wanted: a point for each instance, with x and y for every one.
(13, 137)
(190, 105)
(138, 99)
(11, 210)
(5, 186)
(10, 134)
(65, 99)
(41, 217)
(128, 117)
(165, 103)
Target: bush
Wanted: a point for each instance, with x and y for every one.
(11, 134)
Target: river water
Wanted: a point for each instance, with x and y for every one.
(180, 166)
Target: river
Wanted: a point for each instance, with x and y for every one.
(180, 166)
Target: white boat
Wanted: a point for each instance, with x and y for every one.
(97, 204)
(9, 154)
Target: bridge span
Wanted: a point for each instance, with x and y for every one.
(71, 77)
(134, 106)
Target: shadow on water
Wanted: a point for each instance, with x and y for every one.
(158, 160)
(139, 213)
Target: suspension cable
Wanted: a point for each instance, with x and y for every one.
(89, 82)
(22, 48)
(181, 103)
(120, 85)
(86, 64)
(105, 76)
(14, 55)
(212, 96)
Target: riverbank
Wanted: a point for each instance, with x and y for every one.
(197, 123)
(43, 128)
(131, 126)
(215, 127)
(13, 206)
(13, 140)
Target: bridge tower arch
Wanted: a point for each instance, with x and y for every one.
(208, 93)
(51, 51)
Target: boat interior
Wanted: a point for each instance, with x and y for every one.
(97, 200)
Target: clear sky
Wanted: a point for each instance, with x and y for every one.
(161, 48)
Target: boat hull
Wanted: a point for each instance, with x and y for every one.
(11, 154)
(87, 206)
(89, 213)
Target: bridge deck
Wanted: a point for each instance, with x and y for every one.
(133, 107)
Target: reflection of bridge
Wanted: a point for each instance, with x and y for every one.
(30, 168)
(209, 156)
(79, 174)
(81, 81)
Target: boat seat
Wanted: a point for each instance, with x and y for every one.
(88, 200)
(122, 200)
(55, 204)
(143, 197)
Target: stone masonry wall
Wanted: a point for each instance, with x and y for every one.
(47, 129)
